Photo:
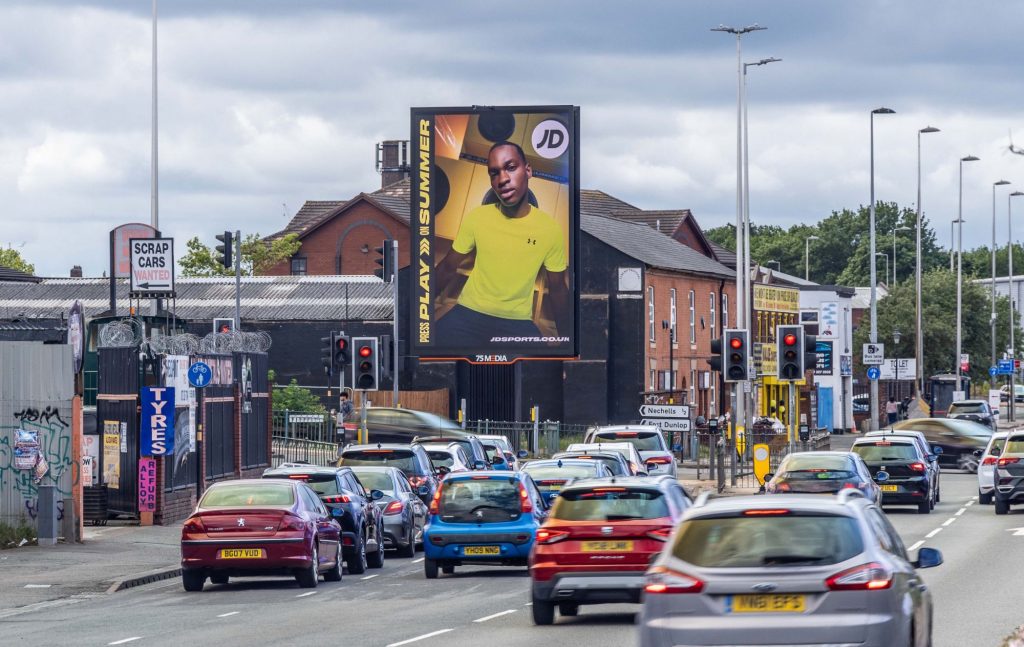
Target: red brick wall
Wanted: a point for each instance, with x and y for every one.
(361, 224)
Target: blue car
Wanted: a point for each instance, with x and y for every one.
(486, 518)
(551, 475)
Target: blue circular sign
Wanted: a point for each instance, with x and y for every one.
(992, 370)
(874, 373)
(199, 374)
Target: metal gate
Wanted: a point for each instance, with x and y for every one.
(117, 416)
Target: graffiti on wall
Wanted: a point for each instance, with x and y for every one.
(19, 487)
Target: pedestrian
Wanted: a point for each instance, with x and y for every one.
(346, 406)
(892, 409)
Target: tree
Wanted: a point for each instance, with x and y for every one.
(258, 255)
(296, 398)
(12, 259)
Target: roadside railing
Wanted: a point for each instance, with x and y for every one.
(304, 425)
(299, 450)
(738, 457)
(552, 436)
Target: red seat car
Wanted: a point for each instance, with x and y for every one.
(259, 527)
(598, 541)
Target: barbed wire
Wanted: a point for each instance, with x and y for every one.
(121, 334)
(236, 342)
(183, 344)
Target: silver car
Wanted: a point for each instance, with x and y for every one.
(648, 440)
(800, 569)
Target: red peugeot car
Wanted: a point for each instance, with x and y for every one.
(598, 541)
(260, 527)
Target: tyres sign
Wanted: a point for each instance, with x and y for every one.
(157, 434)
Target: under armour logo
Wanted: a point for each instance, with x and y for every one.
(531, 241)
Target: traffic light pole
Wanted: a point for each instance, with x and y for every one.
(238, 280)
(394, 324)
(792, 417)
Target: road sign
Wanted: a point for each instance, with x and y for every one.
(965, 362)
(992, 371)
(668, 424)
(874, 373)
(1005, 367)
(152, 267)
(665, 410)
(762, 463)
(199, 374)
(898, 368)
(873, 354)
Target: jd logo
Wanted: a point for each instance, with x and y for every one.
(550, 138)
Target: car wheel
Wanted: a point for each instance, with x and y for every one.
(357, 563)
(430, 568)
(409, 549)
(448, 569)
(568, 609)
(984, 498)
(938, 492)
(219, 578)
(309, 577)
(1002, 507)
(193, 580)
(334, 575)
(543, 612)
(924, 507)
(376, 560)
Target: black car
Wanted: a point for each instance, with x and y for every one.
(974, 410)
(404, 513)
(474, 449)
(822, 473)
(411, 459)
(958, 439)
(355, 508)
(901, 470)
(932, 453)
(393, 425)
(1009, 474)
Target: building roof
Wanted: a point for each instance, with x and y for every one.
(312, 213)
(600, 203)
(724, 256)
(263, 298)
(862, 296)
(665, 221)
(11, 274)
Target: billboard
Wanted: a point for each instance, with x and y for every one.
(495, 224)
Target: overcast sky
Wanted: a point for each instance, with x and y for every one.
(267, 103)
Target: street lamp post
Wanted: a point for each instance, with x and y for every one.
(874, 293)
(807, 256)
(885, 255)
(919, 338)
(1013, 349)
(992, 317)
(896, 359)
(960, 267)
(893, 232)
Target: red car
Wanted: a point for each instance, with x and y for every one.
(260, 527)
(598, 541)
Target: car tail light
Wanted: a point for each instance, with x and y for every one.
(525, 504)
(299, 477)
(627, 434)
(435, 502)
(336, 498)
(291, 522)
(394, 507)
(549, 536)
(766, 513)
(991, 460)
(193, 525)
(916, 467)
(1007, 461)
(782, 487)
(661, 534)
(661, 580)
(866, 577)
(660, 460)
(552, 482)
(347, 541)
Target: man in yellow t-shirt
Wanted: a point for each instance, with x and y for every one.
(513, 242)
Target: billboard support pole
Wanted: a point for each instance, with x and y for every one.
(394, 323)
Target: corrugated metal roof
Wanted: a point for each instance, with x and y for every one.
(263, 298)
(11, 274)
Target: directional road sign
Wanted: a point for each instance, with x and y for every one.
(152, 267)
(665, 410)
(992, 370)
(668, 424)
(874, 354)
(199, 374)
(874, 373)
(1005, 367)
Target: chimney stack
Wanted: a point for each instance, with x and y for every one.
(76, 272)
(392, 161)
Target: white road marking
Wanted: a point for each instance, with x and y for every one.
(38, 586)
(423, 637)
(495, 615)
(302, 595)
(417, 561)
(933, 533)
(368, 577)
(126, 640)
(971, 502)
(528, 604)
(948, 521)
(959, 512)
(916, 545)
(229, 613)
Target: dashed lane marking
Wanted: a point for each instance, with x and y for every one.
(933, 533)
(38, 586)
(125, 640)
(971, 502)
(528, 604)
(916, 545)
(418, 638)
(368, 577)
(303, 595)
(948, 521)
(959, 512)
(229, 613)
(495, 615)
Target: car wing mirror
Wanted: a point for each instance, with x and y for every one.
(522, 453)
(928, 558)
(979, 452)
(936, 450)
(479, 465)
(769, 476)
(376, 495)
(423, 490)
(497, 460)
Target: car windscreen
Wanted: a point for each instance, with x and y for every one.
(492, 451)
(967, 407)
(767, 540)
(798, 467)
(373, 480)
(488, 500)
(441, 458)
(610, 504)
(248, 494)
(613, 465)
(403, 459)
(552, 472)
(1014, 445)
(642, 440)
(885, 450)
(321, 483)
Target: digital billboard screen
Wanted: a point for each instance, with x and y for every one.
(495, 224)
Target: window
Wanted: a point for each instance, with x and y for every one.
(672, 316)
(693, 320)
(298, 267)
(711, 302)
(650, 313)
(725, 311)
(654, 378)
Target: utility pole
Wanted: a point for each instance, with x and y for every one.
(394, 323)
(238, 280)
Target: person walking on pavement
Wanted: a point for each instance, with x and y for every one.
(892, 410)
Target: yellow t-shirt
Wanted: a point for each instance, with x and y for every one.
(509, 254)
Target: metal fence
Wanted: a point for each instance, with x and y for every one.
(304, 425)
(298, 450)
(738, 457)
(552, 436)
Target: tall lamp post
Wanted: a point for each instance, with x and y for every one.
(919, 337)
(885, 255)
(874, 293)
(807, 256)
(1010, 291)
(992, 317)
(893, 232)
(960, 268)
(896, 360)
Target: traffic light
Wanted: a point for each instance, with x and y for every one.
(789, 343)
(737, 349)
(810, 353)
(365, 364)
(715, 361)
(385, 259)
(224, 251)
(340, 351)
(327, 353)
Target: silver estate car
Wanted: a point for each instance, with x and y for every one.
(799, 569)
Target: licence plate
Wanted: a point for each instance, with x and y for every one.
(889, 488)
(766, 604)
(241, 553)
(481, 550)
(607, 546)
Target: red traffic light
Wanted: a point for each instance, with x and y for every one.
(736, 342)
(789, 340)
(342, 343)
(365, 351)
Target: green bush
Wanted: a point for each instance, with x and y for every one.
(11, 536)
(296, 398)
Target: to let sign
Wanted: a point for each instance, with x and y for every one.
(157, 428)
(152, 261)
(147, 485)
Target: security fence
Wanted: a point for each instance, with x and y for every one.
(552, 436)
(299, 450)
(304, 425)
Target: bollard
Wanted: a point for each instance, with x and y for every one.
(46, 523)
(720, 451)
